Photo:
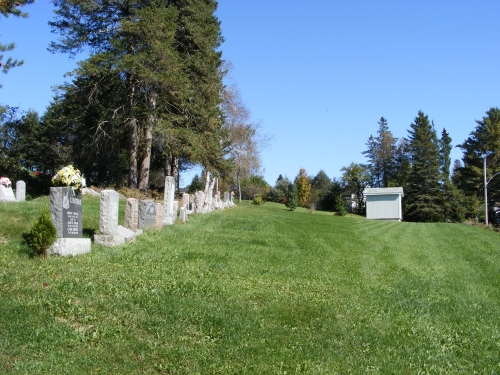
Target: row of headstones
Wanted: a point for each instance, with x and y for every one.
(146, 214)
(66, 213)
(7, 195)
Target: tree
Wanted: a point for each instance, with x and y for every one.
(165, 55)
(303, 184)
(196, 185)
(292, 199)
(198, 136)
(7, 8)
(453, 200)
(423, 190)
(245, 139)
(254, 185)
(279, 191)
(355, 178)
(483, 142)
(320, 186)
(381, 154)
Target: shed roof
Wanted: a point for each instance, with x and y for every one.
(383, 191)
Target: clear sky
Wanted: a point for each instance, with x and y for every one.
(319, 74)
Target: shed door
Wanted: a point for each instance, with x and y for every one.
(382, 207)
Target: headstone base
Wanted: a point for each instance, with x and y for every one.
(70, 246)
(128, 234)
(124, 236)
(109, 240)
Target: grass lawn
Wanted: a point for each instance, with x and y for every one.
(253, 290)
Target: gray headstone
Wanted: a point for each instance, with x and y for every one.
(147, 214)
(6, 194)
(132, 214)
(20, 191)
(66, 212)
(109, 212)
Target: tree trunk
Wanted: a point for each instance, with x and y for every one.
(172, 168)
(239, 188)
(148, 140)
(133, 137)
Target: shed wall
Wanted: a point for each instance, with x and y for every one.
(383, 207)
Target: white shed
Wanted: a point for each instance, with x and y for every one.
(384, 203)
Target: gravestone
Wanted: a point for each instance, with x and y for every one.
(20, 191)
(132, 214)
(183, 217)
(159, 216)
(185, 200)
(66, 214)
(200, 199)
(110, 232)
(6, 194)
(147, 214)
(174, 212)
(168, 201)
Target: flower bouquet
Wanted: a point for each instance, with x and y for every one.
(70, 177)
(5, 181)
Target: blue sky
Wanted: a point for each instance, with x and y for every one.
(318, 75)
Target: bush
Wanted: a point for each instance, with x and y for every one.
(257, 199)
(292, 199)
(43, 234)
(340, 207)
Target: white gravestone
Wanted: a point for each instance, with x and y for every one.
(6, 194)
(168, 201)
(20, 191)
(111, 234)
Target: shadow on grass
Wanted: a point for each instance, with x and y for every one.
(88, 232)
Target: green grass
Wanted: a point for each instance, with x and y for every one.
(254, 290)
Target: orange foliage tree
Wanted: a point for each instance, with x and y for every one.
(303, 183)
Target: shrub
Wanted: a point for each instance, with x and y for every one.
(340, 207)
(42, 234)
(292, 200)
(257, 199)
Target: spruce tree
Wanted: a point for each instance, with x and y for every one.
(381, 153)
(423, 190)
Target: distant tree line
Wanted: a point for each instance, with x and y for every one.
(434, 190)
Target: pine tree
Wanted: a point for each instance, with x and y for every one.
(423, 191)
(380, 153)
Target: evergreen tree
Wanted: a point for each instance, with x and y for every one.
(292, 199)
(483, 142)
(423, 191)
(164, 53)
(381, 153)
(320, 186)
(453, 200)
